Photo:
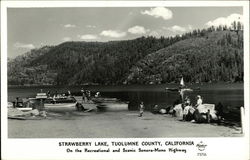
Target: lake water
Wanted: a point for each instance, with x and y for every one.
(230, 95)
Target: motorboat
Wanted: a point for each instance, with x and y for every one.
(60, 102)
(113, 106)
(110, 104)
(53, 103)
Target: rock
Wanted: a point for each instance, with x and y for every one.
(203, 108)
(178, 111)
(163, 111)
(34, 112)
(43, 114)
(10, 104)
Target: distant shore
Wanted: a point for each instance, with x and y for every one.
(96, 84)
(123, 124)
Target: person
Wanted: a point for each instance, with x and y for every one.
(199, 101)
(83, 95)
(79, 107)
(88, 93)
(69, 93)
(48, 93)
(141, 109)
(16, 102)
(201, 113)
(97, 94)
(188, 110)
(187, 101)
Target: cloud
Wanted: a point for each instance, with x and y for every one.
(66, 39)
(69, 26)
(137, 30)
(225, 20)
(154, 34)
(90, 26)
(19, 45)
(190, 27)
(88, 37)
(177, 28)
(159, 12)
(113, 33)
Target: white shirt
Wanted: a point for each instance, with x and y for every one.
(199, 101)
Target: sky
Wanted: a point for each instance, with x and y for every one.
(30, 28)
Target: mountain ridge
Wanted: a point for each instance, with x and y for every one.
(145, 60)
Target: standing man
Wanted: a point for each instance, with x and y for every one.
(83, 95)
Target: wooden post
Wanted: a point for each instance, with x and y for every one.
(208, 116)
(242, 117)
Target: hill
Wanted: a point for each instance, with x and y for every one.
(202, 55)
(214, 56)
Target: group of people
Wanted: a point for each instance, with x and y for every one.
(56, 95)
(86, 95)
(189, 110)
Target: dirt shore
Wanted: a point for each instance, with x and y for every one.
(121, 124)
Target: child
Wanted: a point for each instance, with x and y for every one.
(141, 108)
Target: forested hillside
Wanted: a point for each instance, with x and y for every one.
(211, 57)
(200, 56)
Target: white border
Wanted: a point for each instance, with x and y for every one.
(220, 148)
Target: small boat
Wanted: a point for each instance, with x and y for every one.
(110, 104)
(116, 106)
(20, 105)
(183, 87)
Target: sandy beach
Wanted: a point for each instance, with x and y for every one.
(119, 124)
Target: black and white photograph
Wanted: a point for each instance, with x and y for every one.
(133, 72)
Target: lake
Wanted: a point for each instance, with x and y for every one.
(230, 95)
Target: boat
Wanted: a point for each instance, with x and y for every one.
(113, 106)
(20, 105)
(64, 103)
(53, 103)
(183, 87)
(110, 104)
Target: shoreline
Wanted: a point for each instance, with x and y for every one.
(121, 124)
(118, 85)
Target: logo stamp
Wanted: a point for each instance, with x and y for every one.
(201, 146)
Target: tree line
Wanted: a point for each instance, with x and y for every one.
(212, 54)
